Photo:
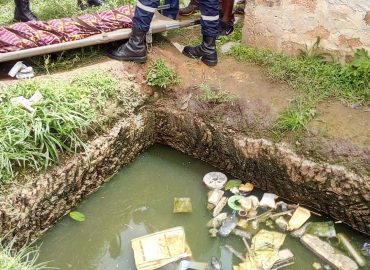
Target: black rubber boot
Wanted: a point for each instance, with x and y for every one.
(23, 12)
(134, 50)
(95, 3)
(206, 51)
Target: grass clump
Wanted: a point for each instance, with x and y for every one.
(161, 75)
(58, 123)
(313, 76)
(296, 118)
(24, 259)
(214, 95)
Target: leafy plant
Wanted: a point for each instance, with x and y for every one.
(232, 183)
(78, 216)
(58, 124)
(214, 95)
(160, 75)
(315, 52)
(24, 259)
(294, 119)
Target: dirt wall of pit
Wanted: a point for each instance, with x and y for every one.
(270, 166)
(30, 209)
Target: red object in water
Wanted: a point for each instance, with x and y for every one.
(20, 36)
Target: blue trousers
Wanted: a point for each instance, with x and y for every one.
(173, 10)
(145, 9)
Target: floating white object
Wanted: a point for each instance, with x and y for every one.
(268, 200)
(300, 216)
(159, 249)
(215, 180)
(214, 196)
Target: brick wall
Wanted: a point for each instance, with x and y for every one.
(287, 25)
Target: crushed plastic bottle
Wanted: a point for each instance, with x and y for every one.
(228, 225)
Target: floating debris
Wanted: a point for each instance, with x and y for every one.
(351, 250)
(233, 202)
(237, 254)
(285, 258)
(182, 205)
(249, 203)
(217, 221)
(268, 200)
(246, 188)
(214, 196)
(241, 233)
(215, 180)
(322, 229)
(300, 216)
(282, 223)
(366, 249)
(234, 183)
(220, 206)
(327, 253)
(228, 225)
(159, 249)
(316, 266)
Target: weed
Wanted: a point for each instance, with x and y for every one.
(24, 259)
(315, 52)
(309, 75)
(214, 95)
(160, 75)
(295, 118)
(58, 123)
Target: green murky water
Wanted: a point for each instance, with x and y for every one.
(138, 201)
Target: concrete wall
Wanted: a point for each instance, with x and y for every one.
(287, 25)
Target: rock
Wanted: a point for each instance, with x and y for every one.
(227, 47)
(327, 253)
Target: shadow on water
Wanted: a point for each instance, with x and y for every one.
(138, 201)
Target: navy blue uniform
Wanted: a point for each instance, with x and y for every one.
(145, 9)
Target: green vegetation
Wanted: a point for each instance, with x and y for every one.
(296, 117)
(24, 259)
(214, 95)
(312, 76)
(58, 124)
(160, 75)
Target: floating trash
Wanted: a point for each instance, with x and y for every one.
(322, 229)
(329, 254)
(215, 180)
(351, 250)
(214, 196)
(233, 183)
(300, 216)
(182, 205)
(246, 188)
(228, 225)
(232, 202)
(268, 200)
(220, 206)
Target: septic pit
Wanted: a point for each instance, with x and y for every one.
(139, 200)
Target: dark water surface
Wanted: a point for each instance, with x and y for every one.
(138, 201)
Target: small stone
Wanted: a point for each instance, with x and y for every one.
(227, 47)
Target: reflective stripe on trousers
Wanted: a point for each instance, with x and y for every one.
(209, 10)
(144, 12)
